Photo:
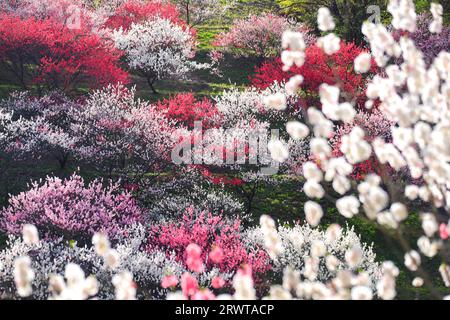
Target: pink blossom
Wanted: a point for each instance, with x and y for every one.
(70, 209)
(217, 282)
(258, 35)
(169, 281)
(206, 230)
(195, 264)
(245, 270)
(193, 250)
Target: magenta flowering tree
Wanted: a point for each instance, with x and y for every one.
(208, 232)
(258, 36)
(70, 209)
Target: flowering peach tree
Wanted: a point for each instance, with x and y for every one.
(258, 36)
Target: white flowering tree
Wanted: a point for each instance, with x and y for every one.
(158, 49)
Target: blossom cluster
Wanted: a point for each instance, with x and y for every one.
(70, 209)
(361, 135)
(414, 98)
(53, 56)
(258, 36)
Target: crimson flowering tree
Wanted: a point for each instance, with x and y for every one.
(137, 11)
(185, 109)
(70, 209)
(51, 56)
(336, 69)
(257, 36)
(208, 232)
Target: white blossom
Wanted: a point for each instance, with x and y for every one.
(23, 276)
(444, 270)
(348, 206)
(297, 130)
(429, 224)
(325, 20)
(417, 282)
(412, 260)
(361, 293)
(124, 286)
(294, 84)
(272, 242)
(313, 213)
(276, 101)
(101, 243)
(353, 256)
(278, 150)
(436, 10)
(313, 189)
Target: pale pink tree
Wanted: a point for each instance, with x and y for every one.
(258, 36)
